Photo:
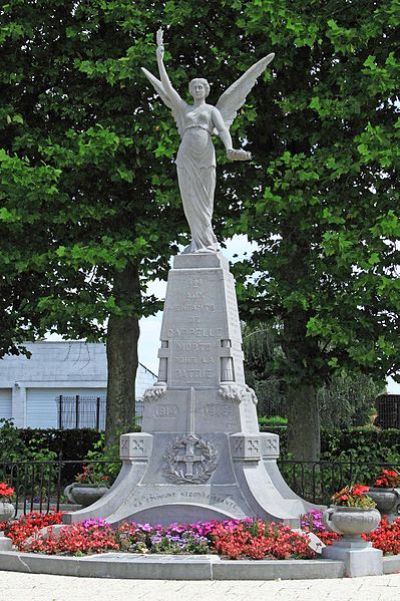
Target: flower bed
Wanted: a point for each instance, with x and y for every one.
(234, 539)
(386, 537)
(29, 525)
(249, 538)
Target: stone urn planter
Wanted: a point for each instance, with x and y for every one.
(7, 511)
(387, 501)
(357, 554)
(84, 494)
(351, 522)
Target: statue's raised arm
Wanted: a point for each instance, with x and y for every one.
(197, 123)
(163, 86)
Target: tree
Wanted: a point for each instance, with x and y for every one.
(71, 71)
(318, 197)
(65, 68)
(326, 221)
(262, 360)
(24, 191)
(347, 400)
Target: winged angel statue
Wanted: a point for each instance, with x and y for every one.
(196, 155)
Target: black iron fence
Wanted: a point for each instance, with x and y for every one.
(84, 411)
(39, 486)
(316, 481)
(388, 411)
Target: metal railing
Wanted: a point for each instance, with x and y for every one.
(316, 481)
(39, 485)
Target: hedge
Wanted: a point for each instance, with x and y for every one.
(362, 444)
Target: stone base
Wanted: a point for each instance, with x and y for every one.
(246, 483)
(201, 455)
(5, 543)
(358, 556)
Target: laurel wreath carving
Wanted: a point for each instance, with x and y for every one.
(205, 467)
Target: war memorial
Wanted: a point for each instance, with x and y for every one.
(200, 454)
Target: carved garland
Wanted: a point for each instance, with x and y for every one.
(237, 393)
(154, 393)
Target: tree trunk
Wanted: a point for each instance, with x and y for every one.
(303, 431)
(122, 356)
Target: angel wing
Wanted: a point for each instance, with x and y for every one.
(159, 88)
(234, 97)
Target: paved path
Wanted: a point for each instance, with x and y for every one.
(37, 587)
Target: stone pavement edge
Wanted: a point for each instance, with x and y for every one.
(36, 587)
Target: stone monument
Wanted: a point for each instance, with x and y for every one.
(200, 454)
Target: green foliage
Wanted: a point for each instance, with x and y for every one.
(12, 448)
(26, 445)
(109, 454)
(273, 420)
(88, 172)
(263, 358)
(326, 221)
(348, 400)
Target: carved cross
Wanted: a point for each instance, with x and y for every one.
(189, 458)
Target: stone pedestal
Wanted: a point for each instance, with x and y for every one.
(358, 556)
(5, 542)
(200, 455)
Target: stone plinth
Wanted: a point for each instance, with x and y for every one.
(201, 454)
(358, 556)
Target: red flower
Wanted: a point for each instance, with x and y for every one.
(388, 479)
(259, 540)
(359, 489)
(6, 492)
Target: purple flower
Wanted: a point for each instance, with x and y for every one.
(145, 527)
(313, 520)
(94, 522)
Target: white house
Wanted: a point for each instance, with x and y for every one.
(62, 382)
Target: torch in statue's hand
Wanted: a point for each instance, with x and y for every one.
(160, 43)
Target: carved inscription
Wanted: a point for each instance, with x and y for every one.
(195, 360)
(165, 410)
(194, 307)
(195, 332)
(213, 410)
(193, 346)
(152, 498)
(193, 374)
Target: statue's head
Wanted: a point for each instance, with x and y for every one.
(199, 88)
